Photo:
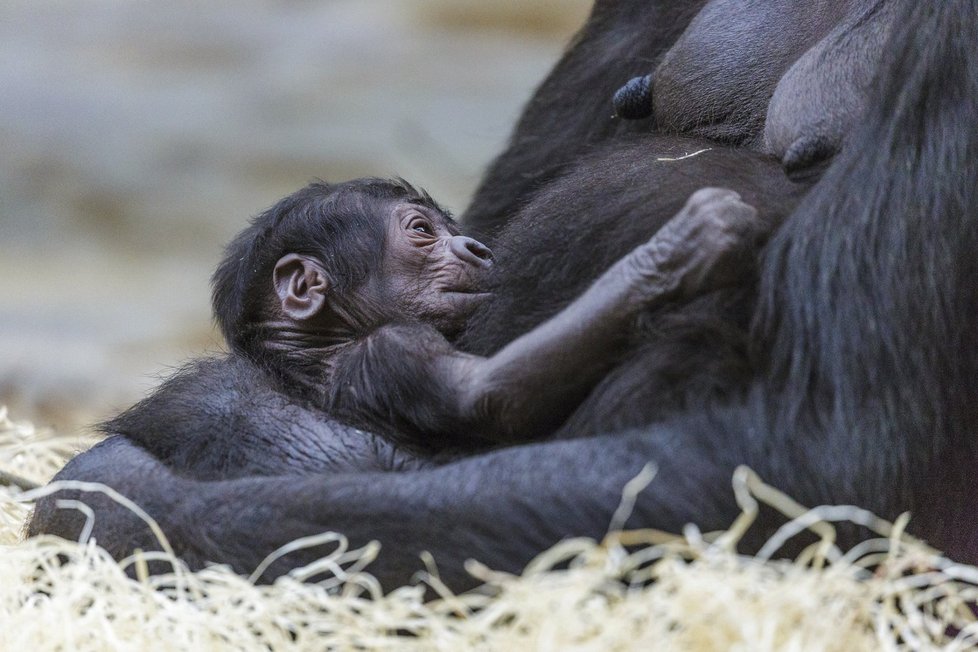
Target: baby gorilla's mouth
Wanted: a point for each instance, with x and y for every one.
(463, 286)
(463, 290)
(465, 299)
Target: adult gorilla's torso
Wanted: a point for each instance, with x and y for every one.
(758, 74)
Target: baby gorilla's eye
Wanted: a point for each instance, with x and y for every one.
(422, 226)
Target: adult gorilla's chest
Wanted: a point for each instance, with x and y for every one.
(718, 78)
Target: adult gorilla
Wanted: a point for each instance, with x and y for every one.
(858, 385)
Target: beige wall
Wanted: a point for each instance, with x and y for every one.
(136, 137)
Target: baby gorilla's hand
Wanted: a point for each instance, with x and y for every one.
(708, 244)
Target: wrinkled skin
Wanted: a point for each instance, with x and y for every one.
(432, 270)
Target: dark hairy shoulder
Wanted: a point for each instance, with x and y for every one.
(222, 417)
(206, 394)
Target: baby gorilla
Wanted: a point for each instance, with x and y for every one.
(338, 304)
(346, 294)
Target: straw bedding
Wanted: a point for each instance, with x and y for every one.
(639, 590)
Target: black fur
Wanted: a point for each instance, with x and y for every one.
(854, 381)
(572, 110)
(226, 417)
(348, 240)
(588, 217)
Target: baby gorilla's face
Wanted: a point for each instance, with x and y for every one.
(432, 272)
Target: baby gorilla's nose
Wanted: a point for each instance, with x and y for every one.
(471, 251)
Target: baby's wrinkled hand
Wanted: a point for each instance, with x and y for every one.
(709, 243)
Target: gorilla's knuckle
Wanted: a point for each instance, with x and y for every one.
(711, 194)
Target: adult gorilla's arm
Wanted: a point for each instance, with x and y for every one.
(501, 508)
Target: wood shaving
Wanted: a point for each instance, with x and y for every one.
(635, 590)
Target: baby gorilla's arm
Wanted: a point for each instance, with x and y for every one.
(531, 386)
(407, 381)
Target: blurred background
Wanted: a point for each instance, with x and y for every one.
(137, 137)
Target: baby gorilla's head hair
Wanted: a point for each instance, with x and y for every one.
(343, 225)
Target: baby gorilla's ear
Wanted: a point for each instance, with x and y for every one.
(301, 285)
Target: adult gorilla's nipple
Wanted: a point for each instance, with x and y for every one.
(808, 157)
(633, 101)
